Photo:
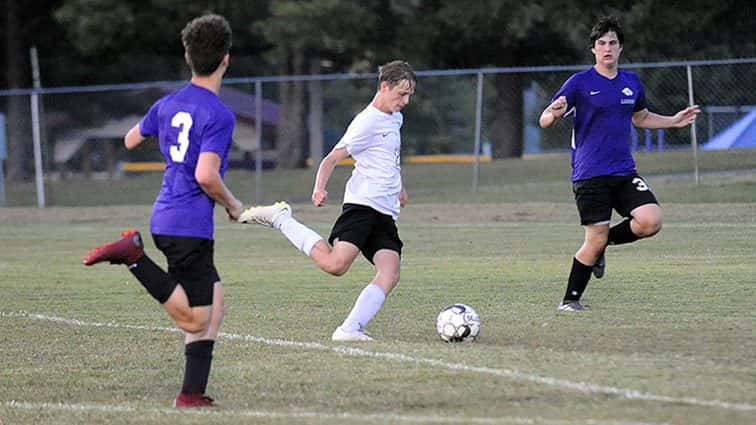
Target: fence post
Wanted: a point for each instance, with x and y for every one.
(478, 113)
(258, 141)
(693, 138)
(37, 150)
(3, 157)
(315, 114)
(36, 133)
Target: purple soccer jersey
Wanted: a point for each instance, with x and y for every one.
(187, 122)
(602, 119)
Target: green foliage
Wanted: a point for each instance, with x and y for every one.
(92, 24)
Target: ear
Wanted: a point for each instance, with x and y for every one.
(186, 58)
(226, 59)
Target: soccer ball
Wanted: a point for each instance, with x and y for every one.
(458, 323)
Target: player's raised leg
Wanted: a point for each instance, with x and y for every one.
(265, 215)
(126, 250)
(129, 251)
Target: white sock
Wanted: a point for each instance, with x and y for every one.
(300, 235)
(367, 305)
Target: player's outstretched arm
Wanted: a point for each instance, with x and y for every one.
(319, 193)
(686, 116)
(208, 177)
(647, 119)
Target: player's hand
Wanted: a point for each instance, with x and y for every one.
(403, 198)
(686, 117)
(234, 210)
(558, 107)
(319, 197)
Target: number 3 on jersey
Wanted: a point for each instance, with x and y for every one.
(640, 185)
(184, 121)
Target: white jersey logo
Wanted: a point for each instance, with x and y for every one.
(627, 92)
(593, 93)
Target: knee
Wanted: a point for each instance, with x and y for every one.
(394, 277)
(219, 317)
(596, 243)
(336, 271)
(649, 227)
(193, 325)
(336, 268)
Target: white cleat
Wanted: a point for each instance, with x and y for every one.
(343, 336)
(265, 215)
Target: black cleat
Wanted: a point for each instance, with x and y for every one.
(600, 266)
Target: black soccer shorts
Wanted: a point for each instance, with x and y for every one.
(368, 229)
(597, 196)
(190, 264)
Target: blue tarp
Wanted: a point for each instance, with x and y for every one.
(741, 134)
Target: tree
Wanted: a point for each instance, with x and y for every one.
(24, 25)
(140, 40)
(497, 33)
(349, 36)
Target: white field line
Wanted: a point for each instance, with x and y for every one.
(322, 416)
(708, 225)
(585, 387)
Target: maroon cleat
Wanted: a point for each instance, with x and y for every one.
(126, 250)
(194, 400)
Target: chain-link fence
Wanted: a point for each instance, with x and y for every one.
(60, 140)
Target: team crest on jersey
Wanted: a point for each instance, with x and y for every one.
(627, 92)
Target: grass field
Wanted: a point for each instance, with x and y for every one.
(670, 337)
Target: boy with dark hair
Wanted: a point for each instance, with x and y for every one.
(604, 101)
(194, 130)
(374, 194)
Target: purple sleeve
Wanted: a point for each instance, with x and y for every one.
(217, 135)
(149, 124)
(568, 90)
(640, 102)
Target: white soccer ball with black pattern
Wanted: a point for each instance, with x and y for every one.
(458, 323)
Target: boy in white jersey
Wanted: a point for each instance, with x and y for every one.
(372, 199)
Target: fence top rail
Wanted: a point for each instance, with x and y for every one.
(356, 76)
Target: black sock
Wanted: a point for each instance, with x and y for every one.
(154, 279)
(622, 233)
(199, 355)
(578, 280)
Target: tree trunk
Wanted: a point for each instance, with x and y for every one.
(506, 132)
(315, 114)
(19, 107)
(291, 125)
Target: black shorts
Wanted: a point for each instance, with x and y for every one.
(596, 197)
(190, 263)
(366, 228)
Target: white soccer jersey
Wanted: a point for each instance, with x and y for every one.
(373, 140)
